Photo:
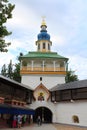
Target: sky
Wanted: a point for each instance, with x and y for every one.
(66, 22)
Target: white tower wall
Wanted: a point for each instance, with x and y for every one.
(48, 81)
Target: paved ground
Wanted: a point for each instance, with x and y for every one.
(48, 127)
(34, 127)
(69, 127)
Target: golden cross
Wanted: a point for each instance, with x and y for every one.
(43, 18)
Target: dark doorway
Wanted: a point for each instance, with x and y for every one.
(44, 113)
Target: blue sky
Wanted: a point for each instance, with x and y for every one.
(66, 23)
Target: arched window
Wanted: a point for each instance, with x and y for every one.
(48, 46)
(75, 119)
(43, 45)
(38, 46)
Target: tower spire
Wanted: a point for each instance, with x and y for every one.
(43, 38)
(43, 21)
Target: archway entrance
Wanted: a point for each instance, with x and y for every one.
(44, 113)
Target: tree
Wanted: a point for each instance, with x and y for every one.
(12, 72)
(6, 9)
(16, 73)
(4, 70)
(7, 71)
(70, 76)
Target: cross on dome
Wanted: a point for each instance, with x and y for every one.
(43, 21)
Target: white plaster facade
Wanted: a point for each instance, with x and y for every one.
(65, 112)
(41, 45)
(47, 80)
(48, 104)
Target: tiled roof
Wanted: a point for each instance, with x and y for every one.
(14, 82)
(71, 85)
(43, 55)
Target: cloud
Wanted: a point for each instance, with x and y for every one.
(5, 58)
(24, 17)
(79, 65)
(58, 40)
(67, 25)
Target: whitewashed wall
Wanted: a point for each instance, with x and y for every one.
(48, 81)
(47, 104)
(65, 111)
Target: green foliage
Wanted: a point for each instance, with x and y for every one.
(7, 71)
(70, 76)
(21, 54)
(6, 9)
(16, 74)
(12, 70)
(4, 69)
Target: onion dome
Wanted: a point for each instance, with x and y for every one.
(43, 35)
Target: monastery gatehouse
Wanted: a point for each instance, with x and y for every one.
(43, 91)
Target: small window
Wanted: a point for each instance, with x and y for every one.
(43, 45)
(40, 78)
(48, 46)
(53, 96)
(38, 46)
(75, 119)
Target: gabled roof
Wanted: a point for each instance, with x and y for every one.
(71, 85)
(43, 87)
(14, 82)
(43, 55)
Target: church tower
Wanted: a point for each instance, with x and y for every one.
(43, 66)
(43, 43)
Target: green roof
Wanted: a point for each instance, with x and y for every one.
(43, 55)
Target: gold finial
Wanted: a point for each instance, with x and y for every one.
(43, 21)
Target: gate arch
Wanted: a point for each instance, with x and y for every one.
(45, 114)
